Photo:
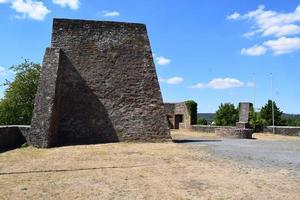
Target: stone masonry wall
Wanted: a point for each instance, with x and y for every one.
(181, 108)
(108, 90)
(207, 128)
(173, 109)
(283, 130)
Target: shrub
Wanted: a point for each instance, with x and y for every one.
(202, 121)
(192, 108)
(226, 115)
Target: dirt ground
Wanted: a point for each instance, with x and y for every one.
(140, 171)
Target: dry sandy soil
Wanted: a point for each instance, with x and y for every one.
(140, 171)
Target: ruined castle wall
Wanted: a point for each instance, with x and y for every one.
(173, 109)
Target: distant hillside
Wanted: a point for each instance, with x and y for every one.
(290, 116)
(208, 116)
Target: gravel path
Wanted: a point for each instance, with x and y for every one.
(259, 153)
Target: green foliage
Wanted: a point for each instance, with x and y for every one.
(266, 114)
(255, 121)
(192, 107)
(295, 121)
(226, 115)
(202, 121)
(25, 145)
(17, 105)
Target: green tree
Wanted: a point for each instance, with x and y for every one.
(226, 115)
(201, 121)
(295, 121)
(266, 114)
(17, 105)
(192, 107)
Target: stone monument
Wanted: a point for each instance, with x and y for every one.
(243, 128)
(244, 115)
(98, 84)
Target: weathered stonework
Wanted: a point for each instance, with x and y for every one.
(98, 84)
(242, 129)
(178, 115)
(241, 133)
(244, 115)
(283, 130)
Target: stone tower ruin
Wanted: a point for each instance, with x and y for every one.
(98, 84)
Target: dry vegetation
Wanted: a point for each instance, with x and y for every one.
(138, 171)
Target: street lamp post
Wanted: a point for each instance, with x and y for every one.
(272, 89)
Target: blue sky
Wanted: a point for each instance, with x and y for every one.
(209, 51)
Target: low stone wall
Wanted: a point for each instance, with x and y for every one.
(284, 130)
(234, 132)
(12, 136)
(206, 128)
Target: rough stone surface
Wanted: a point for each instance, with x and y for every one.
(178, 115)
(12, 136)
(207, 128)
(243, 125)
(45, 114)
(244, 111)
(283, 130)
(244, 115)
(234, 132)
(98, 84)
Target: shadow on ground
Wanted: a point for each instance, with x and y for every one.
(192, 141)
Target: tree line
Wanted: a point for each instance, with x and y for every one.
(227, 115)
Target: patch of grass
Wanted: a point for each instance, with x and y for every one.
(25, 145)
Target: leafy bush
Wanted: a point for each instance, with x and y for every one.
(226, 115)
(192, 107)
(202, 121)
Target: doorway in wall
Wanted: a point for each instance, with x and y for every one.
(178, 119)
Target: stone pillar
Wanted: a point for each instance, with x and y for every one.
(244, 115)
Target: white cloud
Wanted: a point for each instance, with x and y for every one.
(175, 80)
(162, 60)
(250, 84)
(172, 81)
(284, 45)
(271, 23)
(30, 9)
(3, 1)
(219, 83)
(234, 16)
(73, 4)
(107, 13)
(256, 50)
(278, 31)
